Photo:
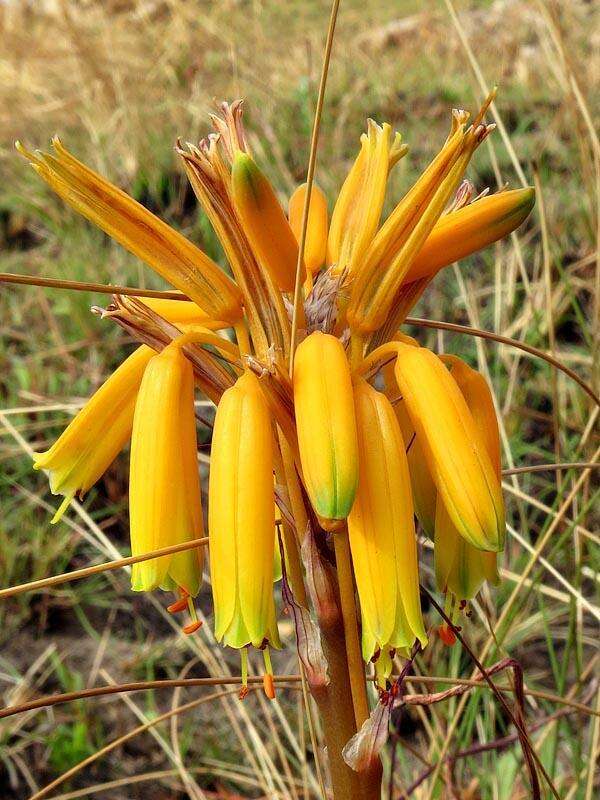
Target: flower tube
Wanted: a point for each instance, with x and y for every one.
(269, 233)
(471, 228)
(453, 447)
(142, 233)
(382, 533)
(100, 430)
(164, 489)
(241, 521)
(316, 232)
(326, 426)
(460, 568)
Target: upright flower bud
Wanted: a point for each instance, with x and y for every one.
(326, 426)
(382, 532)
(358, 209)
(471, 228)
(388, 259)
(269, 233)
(142, 233)
(241, 519)
(164, 486)
(316, 232)
(458, 460)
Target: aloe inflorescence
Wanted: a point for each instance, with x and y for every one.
(352, 435)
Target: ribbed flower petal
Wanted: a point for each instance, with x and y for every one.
(164, 488)
(358, 209)
(455, 452)
(142, 233)
(242, 517)
(381, 529)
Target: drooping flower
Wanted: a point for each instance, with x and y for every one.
(164, 485)
(461, 568)
(382, 534)
(453, 447)
(100, 430)
(241, 520)
(92, 440)
(326, 426)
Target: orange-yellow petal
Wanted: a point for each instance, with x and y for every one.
(316, 231)
(265, 224)
(477, 225)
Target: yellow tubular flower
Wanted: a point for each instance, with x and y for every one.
(357, 212)
(459, 567)
(423, 487)
(176, 310)
(269, 233)
(316, 232)
(164, 485)
(142, 233)
(241, 517)
(463, 232)
(403, 234)
(326, 426)
(92, 440)
(382, 532)
(457, 457)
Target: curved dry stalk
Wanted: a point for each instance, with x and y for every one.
(85, 286)
(496, 337)
(291, 680)
(85, 572)
(552, 467)
(6, 277)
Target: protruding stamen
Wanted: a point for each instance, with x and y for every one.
(195, 624)
(244, 662)
(268, 683)
(179, 605)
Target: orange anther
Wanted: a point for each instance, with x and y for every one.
(447, 635)
(192, 627)
(269, 686)
(178, 605)
(243, 692)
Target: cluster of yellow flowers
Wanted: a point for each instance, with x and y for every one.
(353, 434)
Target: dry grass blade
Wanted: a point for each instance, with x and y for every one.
(85, 572)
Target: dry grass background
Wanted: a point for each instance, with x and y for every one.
(120, 80)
